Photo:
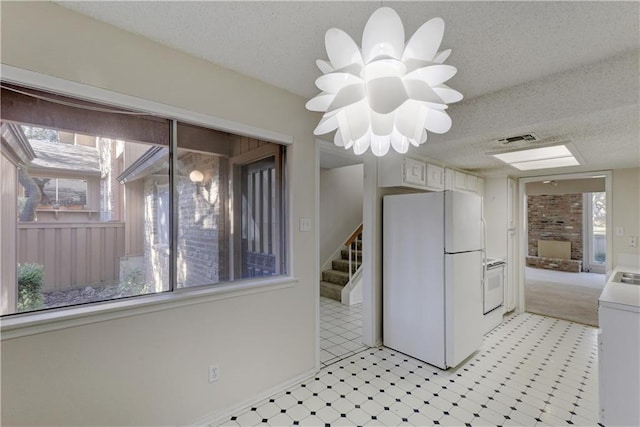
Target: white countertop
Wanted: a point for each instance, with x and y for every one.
(621, 295)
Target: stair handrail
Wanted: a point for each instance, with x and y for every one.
(353, 240)
(354, 235)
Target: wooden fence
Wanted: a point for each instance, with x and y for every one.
(73, 254)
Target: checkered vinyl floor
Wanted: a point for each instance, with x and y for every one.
(531, 371)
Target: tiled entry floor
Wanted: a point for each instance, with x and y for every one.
(340, 331)
(531, 370)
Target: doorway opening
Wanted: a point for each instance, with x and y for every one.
(340, 213)
(565, 246)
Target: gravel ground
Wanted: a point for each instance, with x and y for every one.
(83, 295)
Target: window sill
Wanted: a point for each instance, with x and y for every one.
(21, 325)
(57, 211)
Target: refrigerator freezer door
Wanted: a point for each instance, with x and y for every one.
(463, 222)
(413, 276)
(463, 305)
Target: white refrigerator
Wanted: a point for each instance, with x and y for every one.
(432, 275)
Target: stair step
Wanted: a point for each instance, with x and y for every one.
(335, 276)
(357, 254)
(331, 290)
(343, 265)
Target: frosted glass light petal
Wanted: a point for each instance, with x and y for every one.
(384, 68)
(387, 94)
(380, 144)
(447, 94)
(410, 119)
(432, 75)
(413, 64)
(399, 142)
(437, 121)
(348, 145)
(341, 49)
(355, 69)
(420, 91)
(382, 124)
(343, 128)
(326, 125)
(442, 56)
(425, 41)
(320, 102)
(358, 119)
(347, 96)
(361, 145)
(383, 35)
(324, 66)
(423, 137)
(333, 82)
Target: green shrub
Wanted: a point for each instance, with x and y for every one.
(600, 257)
(30, 286)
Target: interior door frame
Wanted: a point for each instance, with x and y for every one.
(371, 274)
(524, 232)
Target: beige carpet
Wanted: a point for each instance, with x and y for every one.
(569, 302)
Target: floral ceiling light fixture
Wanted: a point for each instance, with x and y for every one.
(388, 94)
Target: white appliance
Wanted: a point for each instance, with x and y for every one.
(432, 275)
(493, 290)
(493, 293)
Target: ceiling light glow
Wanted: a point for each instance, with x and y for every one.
(388, 94)
(556, 156)
(534, 154)
(559, 162)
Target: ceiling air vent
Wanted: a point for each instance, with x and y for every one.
(527, 137)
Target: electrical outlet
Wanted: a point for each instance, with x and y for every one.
(633, 241)
(305, 224)
(214, 373)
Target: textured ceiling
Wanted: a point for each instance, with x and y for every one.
(496, 46)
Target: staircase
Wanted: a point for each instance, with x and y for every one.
(337, 277)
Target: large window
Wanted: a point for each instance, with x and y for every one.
(212, 218)
(103, 207)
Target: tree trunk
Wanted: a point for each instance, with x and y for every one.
(35, 195)
(41, 182)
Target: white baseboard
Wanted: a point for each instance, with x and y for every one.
(219, 417)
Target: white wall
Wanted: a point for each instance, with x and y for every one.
(151, 369)
(340, 206)
(626, 214)
(567, 186)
